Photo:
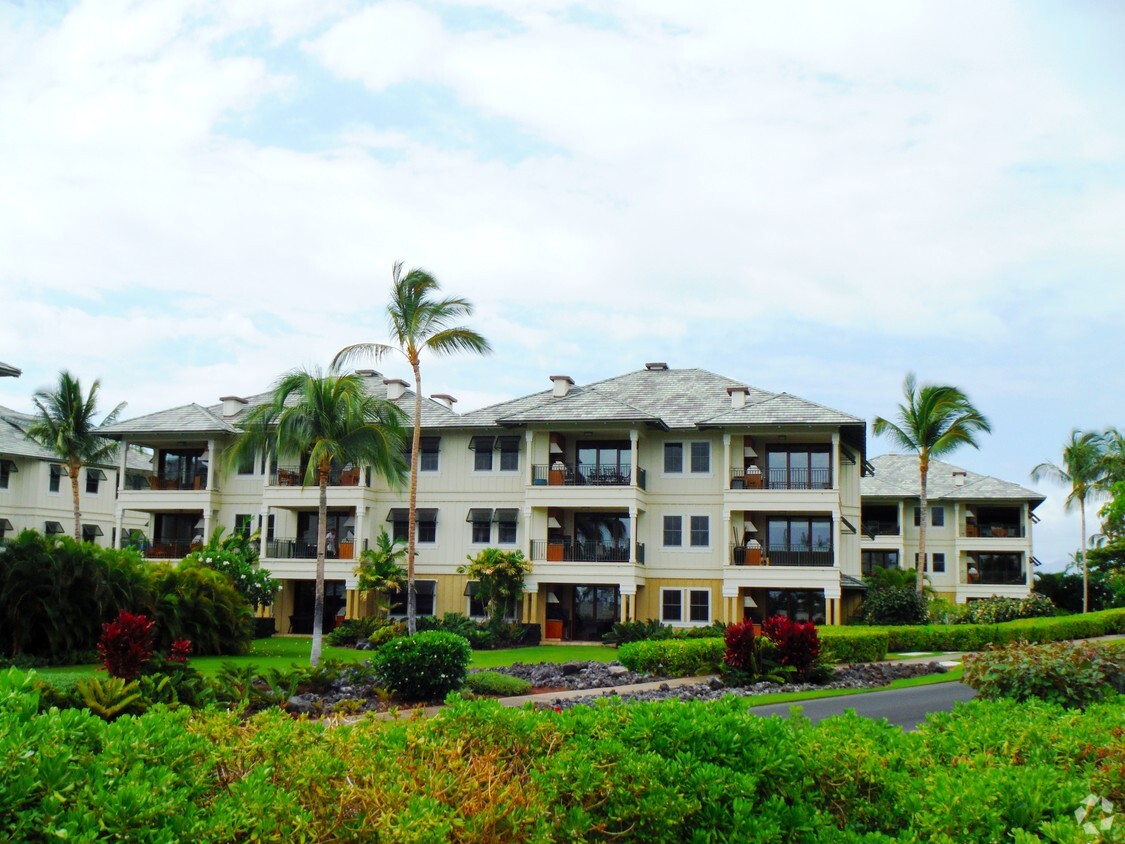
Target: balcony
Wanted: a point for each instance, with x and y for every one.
(584, 474)
(198, 482)
(993, 530)
(804, 479)
(782, 555)
(571, 551)
(872, 528)
(302, 549)
(169, 549)
(294, 475)
(994, 570)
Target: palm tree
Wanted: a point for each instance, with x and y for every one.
(64, 424)
(1113, 457)
(332, 419)
(419, 321)
(1083, 468)
(934, 421)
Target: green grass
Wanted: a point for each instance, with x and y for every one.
(543, 653)
(951, 676)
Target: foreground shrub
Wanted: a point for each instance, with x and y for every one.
(674, 658)
(996, 610)
(797, 643)
(1066, 673)
(894, 605)
(495, 683)
(624, 632)
(853, 644)
(353, 629)
(971, 637)
(126, 645)
(425, 666)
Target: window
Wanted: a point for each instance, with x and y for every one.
(93, 478)
(428, 449)
(700, 531)
(427, 525)
(671, 605)
(269, 527)
(939, 563)
(701, 457)
(673, 531)
(90, 533)
(506, 521)
(799, 541)
(799, 467)
(481, 520)
(476, 608)
(425, 591)
(243, 525)
(674, 600)
(6, 469)
(246, 464)
(482, 460)
(5, 526)
(509, 453)
(937, 516)
(673, 457)
(871, 560)
(53, 479)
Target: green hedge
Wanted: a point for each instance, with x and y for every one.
(673, 657)
(972, 637)
(672, 771)
(853, 644)
(495, 683)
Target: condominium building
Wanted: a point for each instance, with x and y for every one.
(674, 494)
(35, 491)
(978, 536)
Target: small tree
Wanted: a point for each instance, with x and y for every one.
(236, 556)
(379, 568)
(500, 575)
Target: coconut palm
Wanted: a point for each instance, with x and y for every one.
(64, 424)
(419, 321)
(934, 421)
(1083, 469)
(331, 419)
(1113, 457)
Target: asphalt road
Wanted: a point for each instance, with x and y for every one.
(904, 708)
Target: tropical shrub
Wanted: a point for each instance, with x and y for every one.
(997, 610)
(500, 576)
(972, 637)
(797, 643)
(197, 603)
(425, 666)
(236, 557)
(380, 570)
(1067, 673)
(894, 605)
(674, 658)
(126, 644)
(853, 644)
(480, 636)
(495, 683)
(350, 631)
(639, 631)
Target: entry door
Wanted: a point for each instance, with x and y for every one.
(596, 609)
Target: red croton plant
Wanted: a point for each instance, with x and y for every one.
(126, 645)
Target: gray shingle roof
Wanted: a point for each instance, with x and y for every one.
(14, 442)
(896, 476)
(783, 409)
(7, 370)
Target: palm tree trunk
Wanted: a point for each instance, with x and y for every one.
(411, 592)
(74, 469)
(318, 601)
(920, 563)
(1082, 551)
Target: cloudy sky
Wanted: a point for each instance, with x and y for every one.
(809, 197)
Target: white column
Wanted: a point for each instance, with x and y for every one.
(267, 467)
(725, 480)
(527, 532)
(728, 537)
(360, 529)
(633, 534)
(529, 468)
(118, 516)
(213, 457)
(263, 529)
(836, 460)
(208, 514)
(836, 539)
(122, 464)
(634, 438)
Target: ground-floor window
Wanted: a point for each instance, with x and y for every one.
(797, 604)
(304, 602)
(685, 606)
(425, 592)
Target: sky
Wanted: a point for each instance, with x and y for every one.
(810, 197)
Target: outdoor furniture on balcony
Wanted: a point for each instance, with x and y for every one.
(571, 551)
(583, 474)
(747, 555)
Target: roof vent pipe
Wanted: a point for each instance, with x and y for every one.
(657, 366)
(738, 396)
(561, 384)
(232, 405)
(959, 477)
(396, 387)
(444, 398)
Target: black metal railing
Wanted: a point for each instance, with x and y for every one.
(170, 549)
(642, 478)
(994, 573)
(790, 555)
(994, 530)
(640, 555)
(305, 549)
(871, 529)
(294, 475)
(582, 474)
(781, 479)
(571, 551)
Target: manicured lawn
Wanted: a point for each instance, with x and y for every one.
(284, 651)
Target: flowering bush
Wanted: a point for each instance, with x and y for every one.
(425, 666)
(798, 645)
(237, 558)
(996, 610)
(126, 644)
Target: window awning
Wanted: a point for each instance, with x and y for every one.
(61, 471)
(471, 588)
(5, 525)
(506, 515)
(508, 443)
(10, 465)
(402, 514)
(482, 443)
(94, 530)
(425, 587)
(479, 514)
(850, 528)
(95, 473)
(53, 527)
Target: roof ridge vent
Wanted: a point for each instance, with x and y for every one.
(561, 385)
(232, 405)
(657, 366)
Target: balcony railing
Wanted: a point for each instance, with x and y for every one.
(871, 529)
(195, 483)
(303, 549)
(781, 479)
(1002, 574)
(169, 549)
(294, 475)
(570, 551)
(781, 555)
(584, 474)
(993, 530)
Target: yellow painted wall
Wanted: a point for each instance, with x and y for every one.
(648, 596)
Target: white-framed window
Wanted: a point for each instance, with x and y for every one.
(700, 531)
(937, 516)
(474, 606)
(480, 518)
(673, 458)
(54, 477)
(685, 606)
(482, 453)
(701, 457)
(425, 527)
(507, 520)
(425, 600)
(937, 560)
(429, 451)
(673, 531)
(7, 467)
(509, 448)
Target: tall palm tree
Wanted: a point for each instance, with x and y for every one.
(934, 421)
(332, 419)
(1113, 457)
(419, 321)
(64, 423)
(1083, 469)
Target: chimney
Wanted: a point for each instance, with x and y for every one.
(368, 373)
(958, 477)
(231, 405)
(562, 385)
(444, 398)
(738, 396)
(658, 366)
(396, 387)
